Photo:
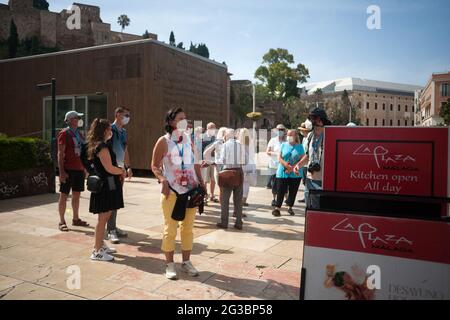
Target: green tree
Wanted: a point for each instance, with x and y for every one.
(123, 21)
(279, 76)
(40, 4)
(242, 106)
(445, 113)
(200, 49)
(295, 111)
(180, 45)
(146, 35)
(13, 40)
(172, 39)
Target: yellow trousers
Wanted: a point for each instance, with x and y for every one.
(170, 225)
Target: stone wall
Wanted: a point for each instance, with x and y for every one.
(48, 28)
(51, 27)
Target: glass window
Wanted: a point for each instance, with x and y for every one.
(63, 105)
(406, 108)
(390, 122)
(376, 106)
(384, 106)
(445, 89)
(367, 105)
(367, 122)
(375, 122)
(392, 107)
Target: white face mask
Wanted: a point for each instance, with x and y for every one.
(308, 125)
(80, 123)
(291, 139)
(182, 125)
(125, 120)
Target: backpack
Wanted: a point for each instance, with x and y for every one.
(87, 164)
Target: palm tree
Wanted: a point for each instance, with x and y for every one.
(123, 21)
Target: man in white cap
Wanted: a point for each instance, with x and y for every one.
(273, 148)
(71, 170)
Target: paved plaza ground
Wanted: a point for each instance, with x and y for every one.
(263, 261)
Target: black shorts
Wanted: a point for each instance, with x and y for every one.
(75, 181)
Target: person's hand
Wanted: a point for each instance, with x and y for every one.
(123, 175)
(296, 169)
(204, 164)
(63, 176)
(289, 168)
(165, 190)
(129, 173)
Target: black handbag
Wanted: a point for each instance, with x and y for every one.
(94, 184)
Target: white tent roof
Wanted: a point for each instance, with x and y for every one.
(358, 84)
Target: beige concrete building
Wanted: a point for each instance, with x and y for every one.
(52, 30)
(377, 103)
(430, 100)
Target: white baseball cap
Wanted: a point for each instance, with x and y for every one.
(72, 114)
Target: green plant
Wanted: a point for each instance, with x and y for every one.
(23, 153)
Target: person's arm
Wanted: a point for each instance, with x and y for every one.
(198, 172)
(127, 163)
(303, 161)
(207, 154)
(285, 164)
(105, 159)
(61, 156)
(269, 150)
(159, 151)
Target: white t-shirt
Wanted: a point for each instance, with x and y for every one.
(275, 146)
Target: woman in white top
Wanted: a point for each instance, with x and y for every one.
(243, 137)
(174, 165)
(216, 148)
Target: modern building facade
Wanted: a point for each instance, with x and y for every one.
(430, 100)
(148, 76)
(377, 103)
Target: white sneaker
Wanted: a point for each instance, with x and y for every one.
(189, 268)
(171, 273)
(113, 237)
(108, 249)
(101, 255)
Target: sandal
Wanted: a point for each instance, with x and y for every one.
(80, 223)
(63, 227)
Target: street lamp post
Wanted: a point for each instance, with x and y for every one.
(52, 85)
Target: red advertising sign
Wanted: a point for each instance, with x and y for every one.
(360, 257)
(398, 161)
(397, 237)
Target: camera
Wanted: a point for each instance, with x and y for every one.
(314, 167)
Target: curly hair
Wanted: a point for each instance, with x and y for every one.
(96, 135)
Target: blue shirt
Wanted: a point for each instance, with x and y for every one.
(119, 144)
(292, 154)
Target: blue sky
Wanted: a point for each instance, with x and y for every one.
(329, 36)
